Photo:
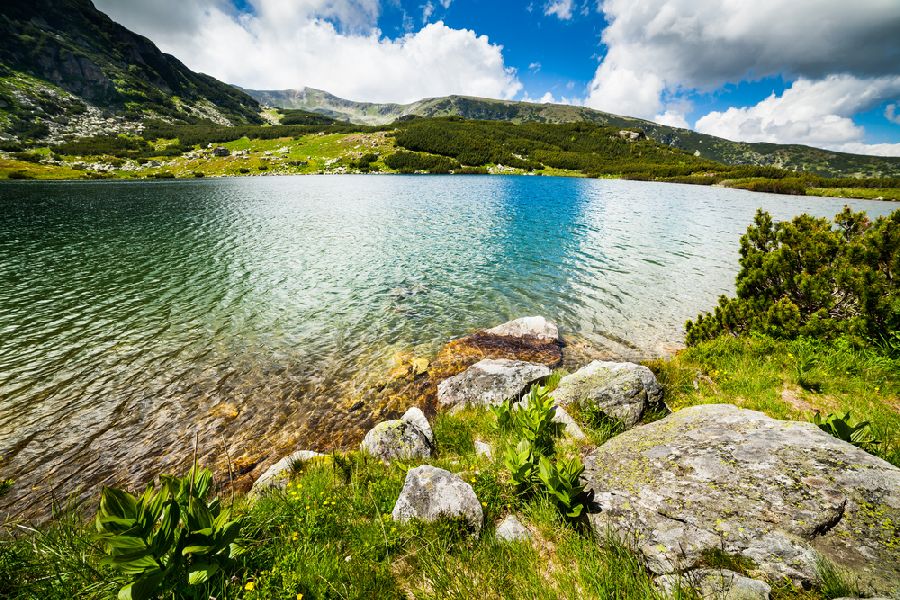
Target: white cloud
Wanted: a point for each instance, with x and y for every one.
(427, 11)
(872, 149)
(672, 118)
(890, 113)
(560, 8)
(328, 44)
(658, 50)
(817, 113)
(534, 67)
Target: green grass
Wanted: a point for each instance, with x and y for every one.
(790, 380)
(867, 193)
(330, 535)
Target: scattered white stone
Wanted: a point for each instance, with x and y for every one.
(278, 475)
(483, 449)
(622, 390)
(408, 437)
(430, 494)
(511, 529)
(489, 382)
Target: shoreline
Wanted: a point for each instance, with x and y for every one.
(151, 178)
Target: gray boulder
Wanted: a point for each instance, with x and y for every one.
(536, 327)
(404, 438)
(511, 529)
(780, 493)
(489, 382)
(278, 475)
(621, 390)
(715, 584)
(430, 493)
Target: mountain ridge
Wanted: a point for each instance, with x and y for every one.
(61, 60)
(789, 156)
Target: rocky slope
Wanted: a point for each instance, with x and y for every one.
(63, 62)
(793, 156)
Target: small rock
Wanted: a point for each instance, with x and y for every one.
(570, 427)
(404, 438)
(621, 390)
(716, 584)
(512, 530)
(489, 382)
(430, 493)
(483, 449)
(278, 475)
(536, 327)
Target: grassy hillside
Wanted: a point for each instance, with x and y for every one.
(306, 143)
(793, 157)
(63, 62)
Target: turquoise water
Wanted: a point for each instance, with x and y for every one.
(135, 315)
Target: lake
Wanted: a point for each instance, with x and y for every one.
(135, 316)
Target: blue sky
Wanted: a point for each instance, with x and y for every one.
(820, 72)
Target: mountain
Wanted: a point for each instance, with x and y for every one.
(65, 67)
(788, 156)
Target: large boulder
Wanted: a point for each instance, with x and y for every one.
(407, 437)
(621, 390)
(534, 327)
(430, 494)
(780, 493)
(278, 475)
(489, 382)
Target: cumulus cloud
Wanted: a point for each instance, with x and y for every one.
(658, 50)
(560, 8)
(818, 113)
(328, 44)
(890, 113)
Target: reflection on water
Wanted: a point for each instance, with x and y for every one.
(134, 315)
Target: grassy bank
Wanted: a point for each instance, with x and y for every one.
(425, 145)
(329, 534)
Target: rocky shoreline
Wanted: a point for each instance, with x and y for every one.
(780, 495)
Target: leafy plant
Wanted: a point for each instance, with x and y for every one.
(561, 482)
(839, 425)
(167, 537)
(521, 462)
(533, 420)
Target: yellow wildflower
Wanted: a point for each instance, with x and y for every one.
(299, 596)
(249, 586)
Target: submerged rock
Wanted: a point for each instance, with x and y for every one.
(621, 390)
(407, 437)
(779, 493)
(535, 327)
(489, 382)
(278, 475)
(715, 584)
(430, 494)
(511, 529)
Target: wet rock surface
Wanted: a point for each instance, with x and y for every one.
(779, 493)
(430, 493)
(489, 382)
(527, 327)
(621, 390)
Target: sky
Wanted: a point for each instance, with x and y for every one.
(820, 72)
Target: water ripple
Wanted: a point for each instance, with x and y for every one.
(134, 315)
